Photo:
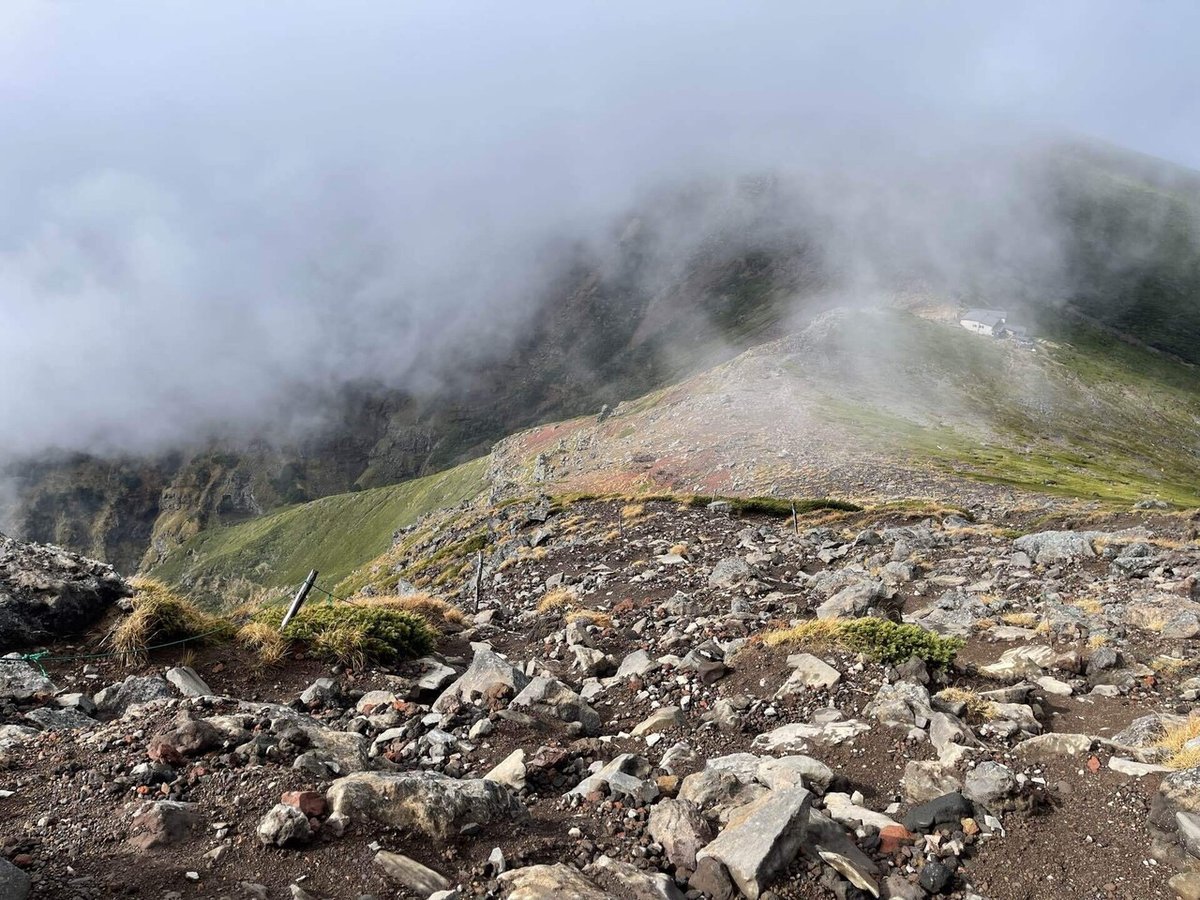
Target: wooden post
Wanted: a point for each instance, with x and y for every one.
(795, 519)
(478, 578)
(301, 595)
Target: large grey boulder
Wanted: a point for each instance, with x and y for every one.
(19, 680)
(487, 671)
(728, 572)
(428, 802)
(47, 592)
(283, 826)
(554, 696)
(1047, 547)
(853, 600)
(15, 884)
(630, 881)
(682, 831)
(763, 840)
(135, 690)
(556, 882)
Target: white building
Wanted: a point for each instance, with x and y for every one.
(984, 321)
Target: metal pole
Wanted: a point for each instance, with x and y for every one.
(299, 601)
(478, 578)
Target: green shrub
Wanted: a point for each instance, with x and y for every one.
(893, 643)
(357, 635)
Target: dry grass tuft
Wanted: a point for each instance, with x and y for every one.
(265, 640)
(590, 617)
(160, 615)
(1096, 641)
(1175, 741)
(1089, 605)
(978, 709)
(436, 611)
(818, 634)
(556, 601)
(632, 511)
(1020, 619)
(680, 549)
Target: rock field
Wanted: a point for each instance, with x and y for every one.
(641, 707)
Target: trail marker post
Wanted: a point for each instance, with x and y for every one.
(301, 595)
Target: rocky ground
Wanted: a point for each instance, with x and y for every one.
(631, 712)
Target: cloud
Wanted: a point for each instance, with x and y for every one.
(212, 209)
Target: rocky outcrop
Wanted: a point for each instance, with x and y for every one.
(47, 592)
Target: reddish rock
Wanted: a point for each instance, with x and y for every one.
(893, 837)
(310, 803)
(164, 752)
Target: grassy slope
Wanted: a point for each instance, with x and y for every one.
(334, 534)
(1086, 415)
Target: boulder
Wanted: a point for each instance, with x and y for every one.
(59, 719)
(808, 672)
(15, 884)
(20, 681)
(47, 593)
(284, 825)
(682, 831)
(510, 771)
(660, 720)
(135, 690)
(802, 735)
(763, 840)
(488, 670)
(550, 882)
(1056, 744)
(730, 571)
(928, 779)
(1048, 547)
(630, 881)
(162, 823)
(409, 873)
(427, 802)
(187, 682)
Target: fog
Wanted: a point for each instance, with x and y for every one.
(216, 212)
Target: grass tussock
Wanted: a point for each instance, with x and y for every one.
(556, 601)
(680, 549)
(978, 709)
(818, 634)
(590, 617)
(880, 639)
(265, 640)
(630, 512)
(1175, 741)
(1020, 619)
(161, 615)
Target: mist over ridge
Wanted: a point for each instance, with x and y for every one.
(217, 218)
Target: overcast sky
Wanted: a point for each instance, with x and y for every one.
(206, 204)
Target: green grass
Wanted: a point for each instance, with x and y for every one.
(334, 535)
(778, 507)
(356, 635)
(1089, 416)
